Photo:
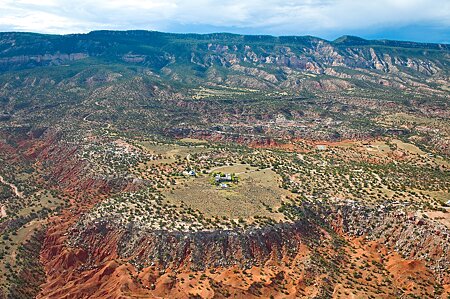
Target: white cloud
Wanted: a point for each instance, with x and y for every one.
(259, 16)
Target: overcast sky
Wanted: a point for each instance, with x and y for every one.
(418, 20)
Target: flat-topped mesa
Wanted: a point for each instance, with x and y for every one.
(298, 53)
(202, 249)
(317, 225)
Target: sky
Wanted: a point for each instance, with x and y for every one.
(415, 20)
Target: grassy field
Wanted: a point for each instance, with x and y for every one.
(408, 147)
(11, 242)
(170, 152)
(193, 141)
(255, 191)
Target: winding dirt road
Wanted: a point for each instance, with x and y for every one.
(13, 187)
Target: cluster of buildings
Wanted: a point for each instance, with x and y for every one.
(226, 178)
(221, 180)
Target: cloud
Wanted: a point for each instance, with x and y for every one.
(299, 17)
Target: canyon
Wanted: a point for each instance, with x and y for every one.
(110, 142)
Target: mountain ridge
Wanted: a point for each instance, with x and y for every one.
(157, 165)
(342, 39)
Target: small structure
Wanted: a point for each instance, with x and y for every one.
(227, 178)
(192, 173)
(223, 185)
(321, 147)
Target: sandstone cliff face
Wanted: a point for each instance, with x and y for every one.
(320, 55)
(409, 233)
(159, 259)
(198, 250)
(309, 256)
(268, 59)
(413, 236)
(323, 245)
(39, 60)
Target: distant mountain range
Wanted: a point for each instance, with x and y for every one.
(110, 142)
(145, 72)
(199, 52)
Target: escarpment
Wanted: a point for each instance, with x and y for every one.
(151, 165)
(416, 238)
(199, 250)
(89, 251)
(322, 228)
